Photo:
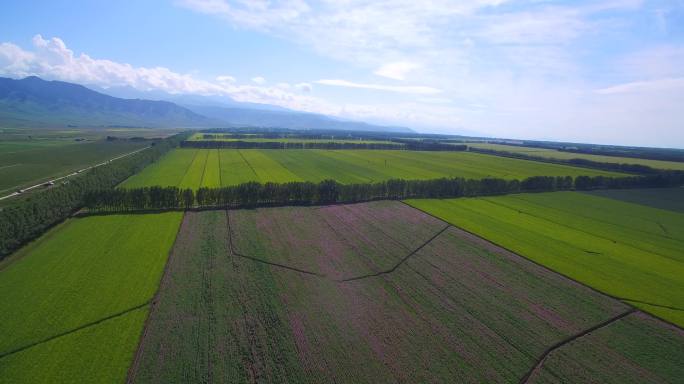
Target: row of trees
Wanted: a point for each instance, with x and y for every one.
(239, 144)
(664, 154)
(617, 167)
(329, 191)
(28, 218)
(429, 145)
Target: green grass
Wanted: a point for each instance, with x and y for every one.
(623, 249)
(554, 154)
(185, 167)
(97, 354)
(671, 199)
(81, 272)
(24, 163)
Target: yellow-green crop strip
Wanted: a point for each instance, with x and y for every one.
(560, 155)
(85, 274)
(626, 250)
(345, 166)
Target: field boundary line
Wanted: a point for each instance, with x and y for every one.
(65, 333)
(248, 164)
(623, 300)
(258, 260)
(187, 169)
(234, 252)
(218, 153)
(402, 261)
(651, 304)
(602, 222)
(204, 169)
(560, 344)
(135, 363)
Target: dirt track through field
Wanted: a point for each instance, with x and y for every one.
(625, 300)
(402, 261)
(65, 333)
(284, 266)
(560, 344)
(236, 253)
(411, 265)
(575, 228)
(248, 164)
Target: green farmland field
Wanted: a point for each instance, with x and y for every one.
(84, 283)
(637, 348)
(670, 199)
(188, 168)
(97, 354)
(627, 250)
(457, 310)
(554, 154)
(25, 163)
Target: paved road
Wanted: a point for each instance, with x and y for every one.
(24, 190)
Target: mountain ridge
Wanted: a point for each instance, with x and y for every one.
(32, 101)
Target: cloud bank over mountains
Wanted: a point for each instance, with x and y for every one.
(581, 70)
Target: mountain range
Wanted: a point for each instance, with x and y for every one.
(34, 102)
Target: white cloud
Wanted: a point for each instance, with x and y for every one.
(397, 70)
(644, 86)
(258, 80)
(304, 87)
(52, 59)
(225, 79)
(354, 30)
(251, 13)
(528, 69)
(654, 62)
(420, 90)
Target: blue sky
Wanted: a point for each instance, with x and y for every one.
(605, 71)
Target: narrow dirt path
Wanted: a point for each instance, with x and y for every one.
(624, 300)
(204, 170)
(220, 172)
(65, 333)
(236, 253)
(402, 261)
(548, 351)
(248, 164)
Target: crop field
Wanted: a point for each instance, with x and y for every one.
(25, 163)
(638, 348)
(554, 154)
(670, 199)
(627, 250)
(354, 294)
(86, 282)
(185, 167)
(100, 353)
